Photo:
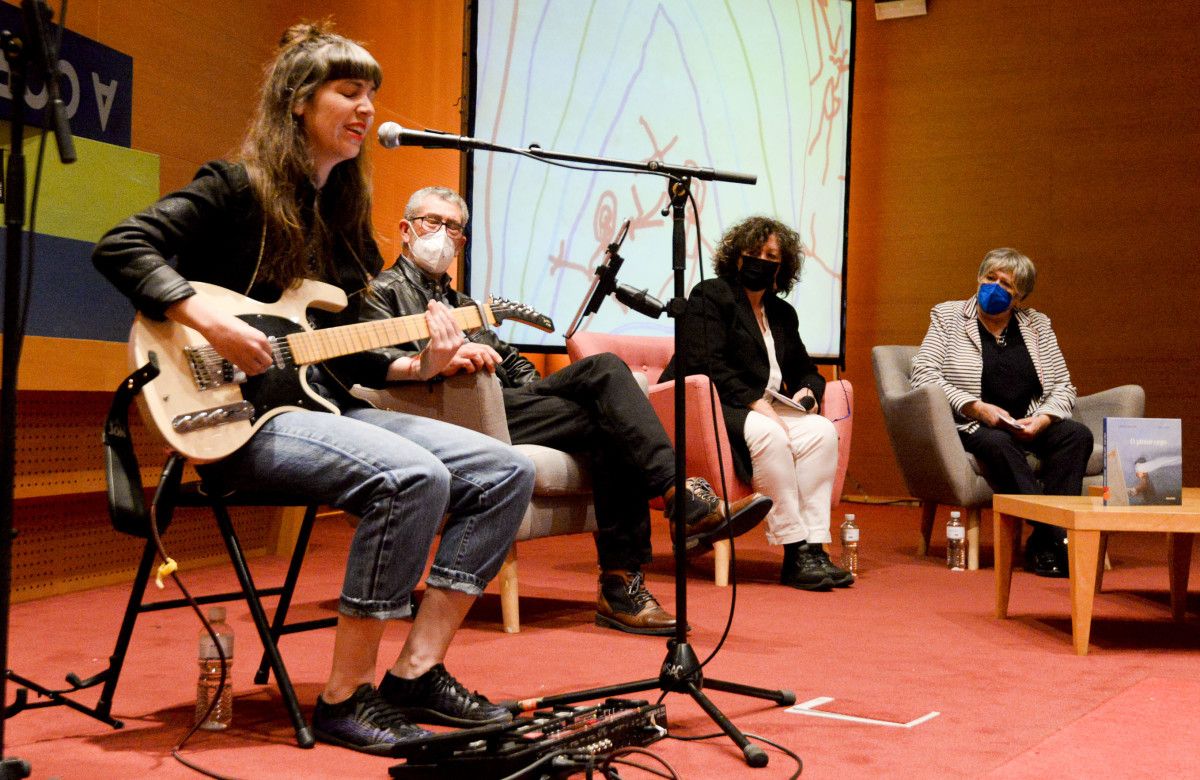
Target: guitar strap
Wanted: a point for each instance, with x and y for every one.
(262, 246)
(126, 498)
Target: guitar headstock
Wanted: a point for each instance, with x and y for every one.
(504, 309)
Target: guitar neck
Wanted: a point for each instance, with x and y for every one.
(313, 346)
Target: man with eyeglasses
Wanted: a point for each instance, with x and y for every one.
(592, 406)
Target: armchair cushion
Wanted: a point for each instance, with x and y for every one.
(557, 473)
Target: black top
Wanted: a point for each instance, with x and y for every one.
(1010, 380)
(212, 231)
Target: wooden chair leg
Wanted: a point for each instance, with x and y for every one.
(510, 608)
(973, 514)
(928, 510)
(721, 563)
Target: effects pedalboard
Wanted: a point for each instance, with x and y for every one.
(501, 749)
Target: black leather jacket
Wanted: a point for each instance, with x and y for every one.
(212, 231)
(404, 289)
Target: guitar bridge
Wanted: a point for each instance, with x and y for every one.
(210, 370)
(210, 418)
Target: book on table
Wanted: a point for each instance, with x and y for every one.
(1143, 461)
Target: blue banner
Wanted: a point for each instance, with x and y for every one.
(96, 85)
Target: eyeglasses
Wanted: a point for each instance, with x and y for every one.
(433, 222)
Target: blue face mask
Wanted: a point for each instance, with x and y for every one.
(993, 298)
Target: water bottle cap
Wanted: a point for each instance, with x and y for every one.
(216, 614)
(850, 516)
(956, 514)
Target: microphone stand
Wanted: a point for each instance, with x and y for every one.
(680, 671)
(31, 50)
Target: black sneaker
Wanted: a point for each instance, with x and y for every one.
(364, 722)
(837, 575)
(436, 697)
(803, 570)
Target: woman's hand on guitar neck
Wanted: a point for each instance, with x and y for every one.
(246, 347)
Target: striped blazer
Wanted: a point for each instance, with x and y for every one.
(951, 356)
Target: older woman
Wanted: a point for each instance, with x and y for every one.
(740, 333)
(1005, 378)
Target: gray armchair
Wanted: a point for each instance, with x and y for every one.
(936, 468)
(562, 491)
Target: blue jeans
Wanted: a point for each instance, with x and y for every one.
(399, 474)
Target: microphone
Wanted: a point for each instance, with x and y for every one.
(45, 59)
(808, 402)
(640, 301)
(392, 135)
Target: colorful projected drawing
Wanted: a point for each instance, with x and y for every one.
(750, 86)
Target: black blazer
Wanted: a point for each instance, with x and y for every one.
(722, 340)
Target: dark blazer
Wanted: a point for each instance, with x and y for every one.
(722, 340)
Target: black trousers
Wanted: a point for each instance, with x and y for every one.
(595, 407)
(1063, 449)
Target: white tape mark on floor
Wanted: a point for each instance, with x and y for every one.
(810, 708)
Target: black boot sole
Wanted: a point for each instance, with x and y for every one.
(745, 520)
(823, 585)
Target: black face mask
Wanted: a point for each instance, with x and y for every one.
(757, 274)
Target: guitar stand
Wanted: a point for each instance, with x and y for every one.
(58, 697)
(681, 671)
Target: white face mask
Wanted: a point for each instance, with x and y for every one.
(432, 252)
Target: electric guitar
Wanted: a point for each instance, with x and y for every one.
(205, 407)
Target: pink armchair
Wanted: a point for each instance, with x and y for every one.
(649, 355)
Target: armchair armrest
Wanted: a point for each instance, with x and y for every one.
(838, 407)
(471, 400)
(708, 444)
(928, 449)
(1123, 401)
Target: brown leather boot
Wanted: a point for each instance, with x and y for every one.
(623, 603)
(704, 529)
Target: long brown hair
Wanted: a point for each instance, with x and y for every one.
(276, 155)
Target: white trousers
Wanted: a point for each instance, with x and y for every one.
(796, 469)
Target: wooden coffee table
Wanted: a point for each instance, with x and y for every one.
(1086, 519)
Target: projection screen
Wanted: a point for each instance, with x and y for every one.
(751, 86)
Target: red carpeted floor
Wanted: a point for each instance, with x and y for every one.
(909, 639)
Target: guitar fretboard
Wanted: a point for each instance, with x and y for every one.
(317, 345)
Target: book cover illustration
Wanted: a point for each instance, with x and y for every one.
(1143, 461)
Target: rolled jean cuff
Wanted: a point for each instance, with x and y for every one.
(448, 579)
(379, 610)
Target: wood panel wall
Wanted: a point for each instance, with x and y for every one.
(1068, 130)
(197, 68)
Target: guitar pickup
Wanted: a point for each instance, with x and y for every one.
(210, 418)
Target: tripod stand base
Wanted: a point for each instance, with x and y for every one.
(680, 673)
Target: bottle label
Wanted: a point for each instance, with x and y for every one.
(849, 534)
(956, 532)
(209, 650)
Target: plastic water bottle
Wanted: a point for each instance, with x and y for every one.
(210, 673)
(850, 545)
(956, 543)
